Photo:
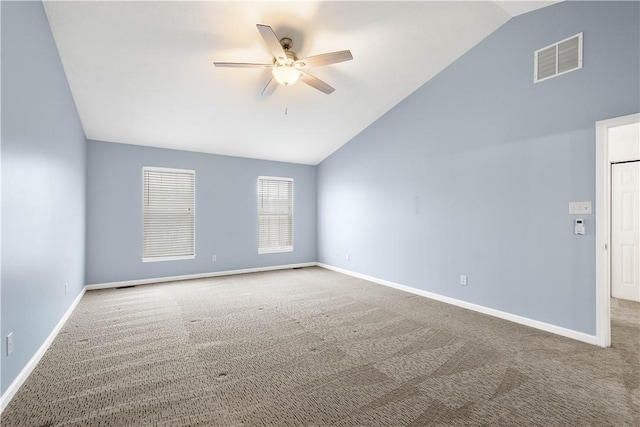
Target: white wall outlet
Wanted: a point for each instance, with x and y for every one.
(463, 280)
(10, 343)
(214, 258)
(348, 257)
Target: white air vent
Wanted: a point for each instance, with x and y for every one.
(558, 58)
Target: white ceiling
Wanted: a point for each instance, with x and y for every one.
(141, 72)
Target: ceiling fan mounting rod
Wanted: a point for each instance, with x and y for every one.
(286, 43)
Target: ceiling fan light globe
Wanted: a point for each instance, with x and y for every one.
(286, 75)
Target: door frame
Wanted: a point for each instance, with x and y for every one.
(603, 226)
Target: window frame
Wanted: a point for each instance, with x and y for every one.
(275, 249)
(168, 257)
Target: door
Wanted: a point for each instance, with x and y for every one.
(625, 230)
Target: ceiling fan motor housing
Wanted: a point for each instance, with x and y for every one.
(286, 67)
(291, 58)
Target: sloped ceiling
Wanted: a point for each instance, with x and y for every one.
(141, 72)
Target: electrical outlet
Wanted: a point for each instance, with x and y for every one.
(463, 280)
(10, 343)
(214, 258)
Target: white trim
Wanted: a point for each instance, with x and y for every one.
(28, 368)
(603, 226)
(169, 258)
(35, 359)
(275, 178)
(274, 250)
(196, 276)
(558, 330)
(159, 169)
(26, 371)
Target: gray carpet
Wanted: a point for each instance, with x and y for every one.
(314, 347)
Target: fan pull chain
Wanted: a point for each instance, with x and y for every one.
(286, 99)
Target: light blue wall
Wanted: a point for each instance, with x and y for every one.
(43, 186)
(472, 174)
(226, 212)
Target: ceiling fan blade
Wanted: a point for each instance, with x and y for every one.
(324, 59)
(241, 65)
(272, 41)
(316, 83)
(270, 87)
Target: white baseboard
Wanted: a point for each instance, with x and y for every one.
(26, 371)
(547, 327)
(196, 276)
(24, 374)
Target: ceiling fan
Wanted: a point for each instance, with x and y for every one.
(286, 67)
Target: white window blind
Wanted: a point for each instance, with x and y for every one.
(168, 214)
(275, 214)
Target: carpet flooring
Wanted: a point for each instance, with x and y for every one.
(314, 347)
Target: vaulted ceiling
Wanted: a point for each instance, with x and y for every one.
(141, 72)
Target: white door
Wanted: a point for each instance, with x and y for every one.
(625, 230)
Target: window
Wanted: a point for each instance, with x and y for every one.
(168, 214)
(275, 214)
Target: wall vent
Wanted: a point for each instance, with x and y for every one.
(558, 58)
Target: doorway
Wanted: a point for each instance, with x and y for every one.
(625, 236)
(617, 141)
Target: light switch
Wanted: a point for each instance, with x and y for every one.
(579, 208)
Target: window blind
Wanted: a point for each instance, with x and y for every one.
(275, 214)
(168, 214)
